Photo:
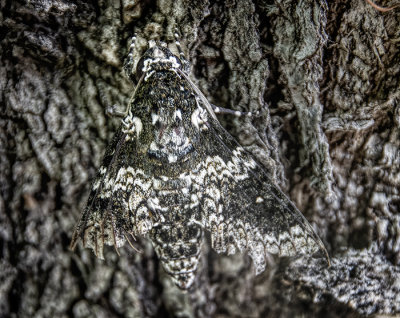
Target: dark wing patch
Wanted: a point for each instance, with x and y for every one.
(243, 209)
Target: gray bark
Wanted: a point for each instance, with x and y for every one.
(326, 81)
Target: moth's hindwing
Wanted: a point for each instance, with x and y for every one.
(173, 172)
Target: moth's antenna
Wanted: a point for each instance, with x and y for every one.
(129, 71)
(128, 65)
(185, 62)
(132, 46)
(226, 111)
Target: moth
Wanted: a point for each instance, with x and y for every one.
(172, 172)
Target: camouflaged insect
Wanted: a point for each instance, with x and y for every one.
(173, 172)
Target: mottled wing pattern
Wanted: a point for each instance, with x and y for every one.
(117, 204)
(243, 209)
(173, 172)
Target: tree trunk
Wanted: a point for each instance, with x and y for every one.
(325, 81)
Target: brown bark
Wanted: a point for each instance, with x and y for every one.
(325, 79)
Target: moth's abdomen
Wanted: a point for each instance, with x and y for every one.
(177, 236)
(178, 247)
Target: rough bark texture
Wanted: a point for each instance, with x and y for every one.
(325, 80)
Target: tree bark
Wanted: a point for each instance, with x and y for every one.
(325, 81)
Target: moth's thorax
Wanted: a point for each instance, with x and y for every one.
(157, 58)
(171, 143)
(171, 91)
(168, 117)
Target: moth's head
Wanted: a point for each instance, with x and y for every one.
(157, 58)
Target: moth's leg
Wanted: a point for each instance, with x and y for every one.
(128, 63)
(112, 111)
(185, 62)
(226, 111)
